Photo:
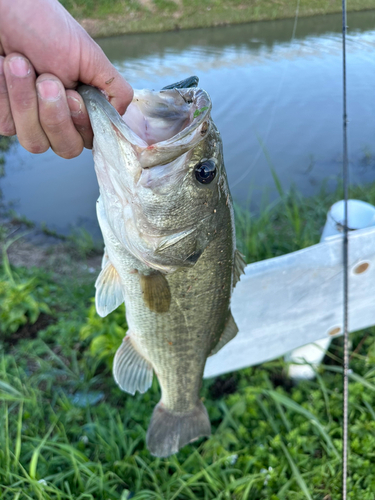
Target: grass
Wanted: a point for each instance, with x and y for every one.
(68, 432)
(111, 17)
(5, 144)
(79, 243)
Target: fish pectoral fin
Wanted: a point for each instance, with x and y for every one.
(170, 431)
(108, 294)
(238, 266)
(131, 371)
(230, 331)
(156, 292)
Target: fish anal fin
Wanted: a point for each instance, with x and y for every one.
(170, 431)
(230, 331)
(131, 371)
(238, 266)
(156, 292)
(109, 293)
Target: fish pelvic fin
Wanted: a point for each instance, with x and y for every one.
(108, 294)
(131, 371)
(238, 267)
(230, 331)
(169, 431)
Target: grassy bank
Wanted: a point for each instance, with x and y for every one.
(111, 17)
(68, 432)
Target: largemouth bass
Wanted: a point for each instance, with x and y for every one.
(166, 215)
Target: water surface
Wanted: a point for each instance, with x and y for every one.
(276, 100)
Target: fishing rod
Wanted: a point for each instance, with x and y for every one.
(345, 270)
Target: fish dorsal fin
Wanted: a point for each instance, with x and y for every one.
(156, 292)
(131, 371)
(230, 331)
(238, 267)
(108, 294)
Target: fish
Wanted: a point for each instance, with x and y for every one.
(166, 215)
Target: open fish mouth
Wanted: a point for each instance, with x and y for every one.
(145, 161)
(160, 125)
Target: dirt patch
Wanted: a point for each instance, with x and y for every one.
(30, 331)
(57, 258)
(223, 386)
(280, 379)
(147, 4)
(33, 248)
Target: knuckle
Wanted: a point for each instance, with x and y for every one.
(54, 120)
(7, 129)
(54, 127)
(23, 101)
(38, 149)
(71, 153)
(35, 147)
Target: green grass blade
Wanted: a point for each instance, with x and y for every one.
(296, 472)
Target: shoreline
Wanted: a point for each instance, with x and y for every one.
(224, 13)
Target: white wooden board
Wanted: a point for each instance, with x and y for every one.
(286, 302)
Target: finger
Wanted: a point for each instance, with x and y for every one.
(6, 121)
(80, 117)
(54, 115)
(100, 72)
(118, 90)
(20, 79)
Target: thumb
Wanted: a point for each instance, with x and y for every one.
(99, 72)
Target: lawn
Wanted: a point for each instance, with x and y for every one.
(112, 17)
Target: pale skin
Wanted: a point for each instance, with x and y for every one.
(44, 53)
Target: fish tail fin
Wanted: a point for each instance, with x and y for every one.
(169, 431)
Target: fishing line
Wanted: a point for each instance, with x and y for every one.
(345, 264)
(270, 123)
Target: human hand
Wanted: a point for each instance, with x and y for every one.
(39, 37)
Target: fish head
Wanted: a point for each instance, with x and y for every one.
(161, 173)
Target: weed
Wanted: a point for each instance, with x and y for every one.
(68, 432)
(16, 218)
(51, 232)
(367, 159)
(111, 17)
(82, 244)
(19, 300)
(105, 334)
(5, 145)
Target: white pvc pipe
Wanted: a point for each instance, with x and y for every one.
(360, 215)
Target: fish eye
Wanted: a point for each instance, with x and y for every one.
(205, 172)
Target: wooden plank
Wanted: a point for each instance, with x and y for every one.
(286, 302)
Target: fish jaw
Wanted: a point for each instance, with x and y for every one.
(171, 122)
(147, 186)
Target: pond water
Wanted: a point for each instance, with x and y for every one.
(277, 98)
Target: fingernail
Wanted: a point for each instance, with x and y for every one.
(48, 90)
(19, 67)
(74, 106)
